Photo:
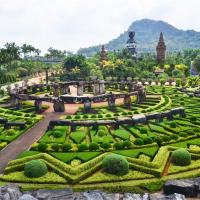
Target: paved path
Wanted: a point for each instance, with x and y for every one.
(26, 140)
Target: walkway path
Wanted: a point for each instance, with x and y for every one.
(27, 139)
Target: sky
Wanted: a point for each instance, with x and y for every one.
(72, 24)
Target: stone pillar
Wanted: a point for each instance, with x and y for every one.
(55, 90)
(38, 105)
(80, 88)
(18, 104)
(87, 106)
(59, 106)
(96, 89)
(127, 101)
(111, 102)
(101, 87)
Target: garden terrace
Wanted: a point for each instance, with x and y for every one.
(146, 134)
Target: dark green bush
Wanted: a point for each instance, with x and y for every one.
(118, 145)
(35, 169)
(26, 115)
(42, 147)
(183, 134)
(82, 147)
(166, 138)
(66, 147)
(190, 132)
(108, 115)
(147, 140)
(105, 145)
(181, 157)
(193, 119)
(136, 112)
(93, 146)
(143, 130)
(57, 134)
(138, 141)
(55, 147)
(115, 164)
(127, 143)
(68, 117)
(173, 124)
(158, 140)
(182, 103)
(77, 117)
(174, 137)
(101, 133)
(11, 132)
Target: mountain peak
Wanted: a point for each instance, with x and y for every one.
(147, 32)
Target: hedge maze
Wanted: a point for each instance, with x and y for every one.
(74, 153)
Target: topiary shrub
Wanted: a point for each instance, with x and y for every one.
(127, 143)
(181, 157)
(57, 134)
(66, 147)
(147, 140)
(183, 134)
(105, 145)
(42, 147)
(101, 133)
(173, 124)
(35, 169)
(93, 146)
(82, 147)
(174, 137)
(193, 119)
(158, 140)
(115, 164)
(55, 147)
(166, 138)
(138, 141)
(11, 132)
(118, 145)
(190, 132)
(143, 131)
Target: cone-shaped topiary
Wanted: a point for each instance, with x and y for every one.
(115, 164)
(181, 157)
(35, 169)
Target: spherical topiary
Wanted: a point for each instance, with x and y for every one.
(183, 134)
(127, 143)
(115, 164)
(93, 146)
(158, 140)
(101, 133)
(66, 147)
(82, 147)
(174, 137)
(143, 131)
(147, 140)
(118, 145)
(138, 141)
(166, 138)
(105, 145)
(55, 147)
(57, 134)
(173, 124)
(193, 119)
(42, 147)
(11, 132)
(181, 157)
(35, 169)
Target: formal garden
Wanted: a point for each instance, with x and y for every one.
(135, 148)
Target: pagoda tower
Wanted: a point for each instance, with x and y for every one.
(103, 54)
(131, 44)
(161, 49)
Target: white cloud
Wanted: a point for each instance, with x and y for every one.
(71, 24)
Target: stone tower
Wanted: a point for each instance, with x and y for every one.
(103, 54)
(131, 44)
(161, 49)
